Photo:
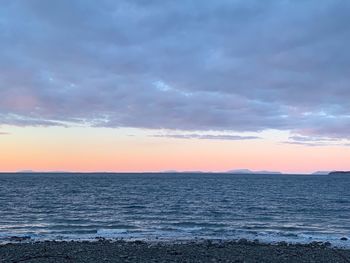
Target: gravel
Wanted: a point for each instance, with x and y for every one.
(199, 251)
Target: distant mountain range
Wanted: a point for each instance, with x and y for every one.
(247, 171)
(321, 172)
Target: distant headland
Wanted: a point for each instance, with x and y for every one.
(339, 173)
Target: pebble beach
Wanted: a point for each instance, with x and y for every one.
(196, 251)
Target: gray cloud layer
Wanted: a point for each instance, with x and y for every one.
(243, 65)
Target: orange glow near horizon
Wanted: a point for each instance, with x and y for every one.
(114, 150)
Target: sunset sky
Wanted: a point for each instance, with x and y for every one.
(174, 85)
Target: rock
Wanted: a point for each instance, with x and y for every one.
(243, 241)
(344, 239)
(327, 244)
(174, 252)
(282, 243)
(220, 245)
(19, 239)
(209, 243)
(315, 244)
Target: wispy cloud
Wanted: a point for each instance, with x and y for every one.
(186, 65)
(305, 143)
(312, 139)
(206, 137)
(316, 141)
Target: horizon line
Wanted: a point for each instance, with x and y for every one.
(170, 172)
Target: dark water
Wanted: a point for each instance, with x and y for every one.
(296, 208)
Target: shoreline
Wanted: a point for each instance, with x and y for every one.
(105, 250)
(339, 242)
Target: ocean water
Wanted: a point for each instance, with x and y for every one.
(271, 208)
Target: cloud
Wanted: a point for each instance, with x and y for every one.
(186, 65)
(311, 144)
(206, 136)
(311, 139)
(316, 141)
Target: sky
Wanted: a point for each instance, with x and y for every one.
(174, 85)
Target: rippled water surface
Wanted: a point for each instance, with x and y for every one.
(175, 206)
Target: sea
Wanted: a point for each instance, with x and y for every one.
(175, 207)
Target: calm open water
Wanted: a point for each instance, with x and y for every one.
(295, 208)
